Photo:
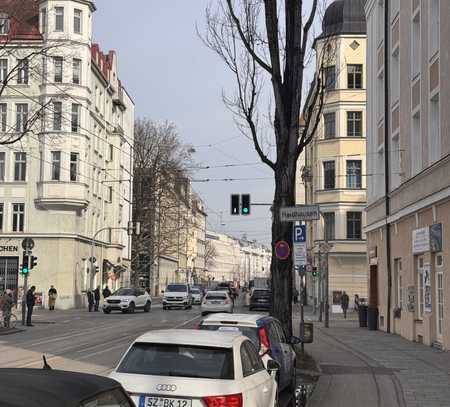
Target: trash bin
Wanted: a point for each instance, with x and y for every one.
(372, 318)
(362, 314)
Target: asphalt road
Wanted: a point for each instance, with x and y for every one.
(93, 342)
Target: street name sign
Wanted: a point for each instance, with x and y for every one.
(299, 212)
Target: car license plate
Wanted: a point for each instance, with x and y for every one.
(262, 300)
(216, 302)
(152, 401)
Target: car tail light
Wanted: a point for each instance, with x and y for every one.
(227, 301)
(264, 340)
(233, 400)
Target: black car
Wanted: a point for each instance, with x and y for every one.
(57, 388)
(261, 298)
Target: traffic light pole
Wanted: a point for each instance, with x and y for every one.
(24, 298)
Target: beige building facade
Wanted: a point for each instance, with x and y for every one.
(334, 169)
(408, 213)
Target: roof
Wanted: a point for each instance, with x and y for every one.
(24, 19)
(248, 319)
(190, 337)
(344, 17)
(50, 388)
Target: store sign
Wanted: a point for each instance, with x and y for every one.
(9, 249)
(411, 298)
(421, 240)
(427, 296)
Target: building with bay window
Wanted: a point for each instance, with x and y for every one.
(66, 137)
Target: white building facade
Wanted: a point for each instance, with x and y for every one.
(70, 174)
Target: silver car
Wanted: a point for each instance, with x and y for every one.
(217, 301)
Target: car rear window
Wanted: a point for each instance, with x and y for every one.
(261, 293)
(249, 332)
(195, 291)
(178, 360)
(176, 288)
(217, 296)
(124, 291)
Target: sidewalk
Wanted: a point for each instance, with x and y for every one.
(375, 369)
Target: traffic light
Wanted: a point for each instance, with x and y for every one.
(33, 262)
(235, 200)
(25, 263)
(315, 273)
(245, 210)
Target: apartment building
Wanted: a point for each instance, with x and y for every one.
(408, 213)
(332, 169)
(66, 181)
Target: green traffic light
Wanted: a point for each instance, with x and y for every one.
(25, 271)
(245, 210)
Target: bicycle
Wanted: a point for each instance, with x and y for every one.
(13, 321)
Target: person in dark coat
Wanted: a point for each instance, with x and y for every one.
(344, 303)
(31, 300)
(90, 297)
(97, 298)
(106, 292)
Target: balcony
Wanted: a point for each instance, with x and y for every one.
(62, 195)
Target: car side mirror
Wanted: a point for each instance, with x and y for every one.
(273, 366)
(295, 340)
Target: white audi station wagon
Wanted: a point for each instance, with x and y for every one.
(190, 368)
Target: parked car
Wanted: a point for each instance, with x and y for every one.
(57, 388)
(189, 368)
(177, 295)
(217, 301)
(197, 296)
(128, 300)
(261, 298)
(267, 335)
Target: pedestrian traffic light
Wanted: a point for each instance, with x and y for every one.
(25, 264)
(33, 262)
(245, 204)
(235, 198)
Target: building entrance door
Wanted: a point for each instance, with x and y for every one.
(9, 274)
(439, 298)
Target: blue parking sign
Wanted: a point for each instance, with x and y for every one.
(299, 234)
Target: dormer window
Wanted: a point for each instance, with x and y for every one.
(4, 24)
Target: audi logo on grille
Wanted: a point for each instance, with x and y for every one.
(166, 387)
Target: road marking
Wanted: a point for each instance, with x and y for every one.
(101, 351)
(103, 344)
(186, 322)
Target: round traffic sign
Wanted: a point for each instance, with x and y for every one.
(28, 243)
(282, 250)
(309, 268)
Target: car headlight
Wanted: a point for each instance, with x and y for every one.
(125, 300)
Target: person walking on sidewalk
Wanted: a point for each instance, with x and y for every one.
(52, 294)
(7, 304)
(90, 298)
(31, 300)
(344, 303)
(356, 302)
(97, 298)
(106, 292)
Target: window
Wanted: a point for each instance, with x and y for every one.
(354, 174)
(329, 125)
(43, 20)
(328, 226)
(416, 145)
(329, 174)
(21, 116)
(77, 21)
(76, 71)
(20, 166)
(56, 165)
(354, 225)
(354, 76)
(354, 124)
(75, 118)
(18, 217)
(415, 46)
(3, 69)
(111, 152)
(3, 116)
(4, 24)
(2, 165)
(58, 66)
(434, 26)
(1, 217)
(22, 71)
(251, 361)
(110, 194)
(330, 77)
(74, 167)
(420, 287)
(434, 136)
(57, 115)
(59, 19)
(398, 271)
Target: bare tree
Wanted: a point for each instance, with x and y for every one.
(271, 39)
(210, 254)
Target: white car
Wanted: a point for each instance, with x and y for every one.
(196, 296)
(128, 300)
(189, 368)
(217, 301)
(177, 295)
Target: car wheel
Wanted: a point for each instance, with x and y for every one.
(250, 308)
(147, 306)
(106, 311)
(131, 308)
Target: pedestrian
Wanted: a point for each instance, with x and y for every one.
(52, 294)
(106, 292)
(6, 305)
(356, 302)
(147, 290)
(31, 300)
(90, 298)
(344, 303)
(97, 298)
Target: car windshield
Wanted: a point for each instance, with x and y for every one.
(249, 332)
(216, 296)
(195, 291)
(159, 359)
(114, 398)
(124, 291)
(176, 288)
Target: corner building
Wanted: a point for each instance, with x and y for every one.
(70, 174)
(408, 143)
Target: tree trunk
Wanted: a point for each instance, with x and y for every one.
(281, 270)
